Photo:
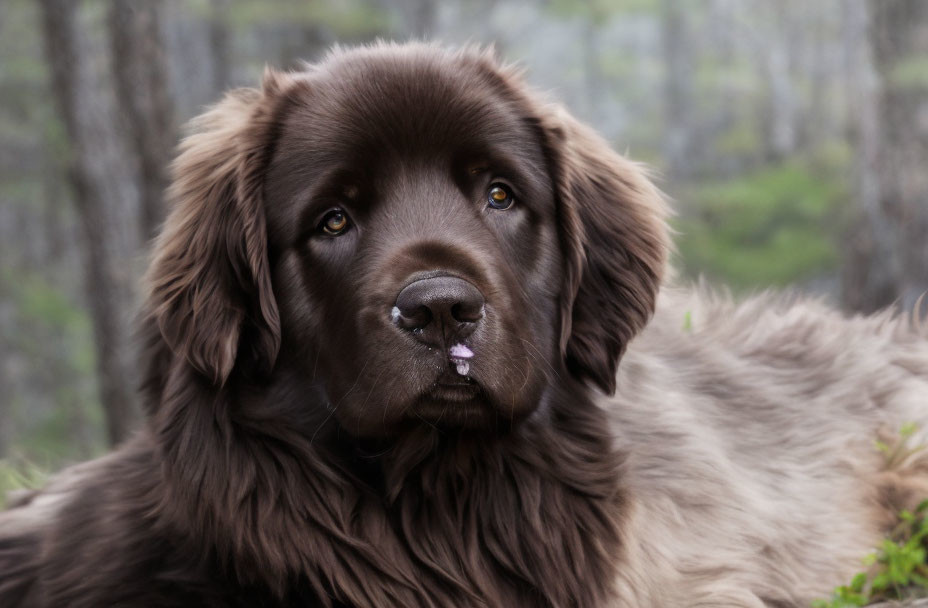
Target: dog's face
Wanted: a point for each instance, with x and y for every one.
(412, 230)
(412, 222)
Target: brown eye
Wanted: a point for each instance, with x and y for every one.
(334, 223)
(499, 197)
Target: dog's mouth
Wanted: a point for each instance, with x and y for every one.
(454, 387)
(453, 407)
(453, 400)
(456, 380)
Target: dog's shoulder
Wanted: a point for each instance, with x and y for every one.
(749, 431)
(809, 341)
(92, 536)
(18, 564)
(68, 543)
(774, 366)
(25, 526)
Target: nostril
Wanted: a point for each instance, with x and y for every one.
(467, 312)
(413, 318)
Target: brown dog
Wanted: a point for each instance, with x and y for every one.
(380, 315)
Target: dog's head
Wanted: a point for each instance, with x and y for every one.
(413, 230)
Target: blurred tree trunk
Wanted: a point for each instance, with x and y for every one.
(140, 74)
(417, 18)
(870, 270)
(94, 172)
(817, 125)
(899, 34)
(779, 106)
(424, 15)
(219, 45)
(888, 259)
(594, 82)
(679, 102)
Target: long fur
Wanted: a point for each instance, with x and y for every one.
(728, 461)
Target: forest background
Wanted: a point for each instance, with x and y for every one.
(791, 135)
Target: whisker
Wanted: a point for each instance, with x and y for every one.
(527, 374)
(543, 371)
(315, 364)
(366, 399)
(419, 416)
(546, 362)
(335, 407)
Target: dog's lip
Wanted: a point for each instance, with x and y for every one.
(469, 387)
(452, 393)
(451, 403)
(449, 386)
(450, 377)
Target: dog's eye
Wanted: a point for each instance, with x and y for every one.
(334, 223)
(499, 196)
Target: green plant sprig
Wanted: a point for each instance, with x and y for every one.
(898, 570)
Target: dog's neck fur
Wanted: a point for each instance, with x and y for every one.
(528, 517)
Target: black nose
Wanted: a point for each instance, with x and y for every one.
(439, 308)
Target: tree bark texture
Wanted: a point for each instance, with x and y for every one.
(891, 240)
(678, 89)
(101, 194)
(900, 42)
(140, 74)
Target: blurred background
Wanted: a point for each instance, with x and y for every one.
(792, 136)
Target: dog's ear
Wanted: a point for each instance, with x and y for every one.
(209, 280)
(614, 237)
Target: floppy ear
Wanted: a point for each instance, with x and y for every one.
(209, 281)
(615, 241)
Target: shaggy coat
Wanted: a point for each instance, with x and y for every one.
(310, 441)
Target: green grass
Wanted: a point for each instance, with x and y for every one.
(898, 569)
(52, 408)
(19, 474)
(910, 73)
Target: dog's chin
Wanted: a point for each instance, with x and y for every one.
(447, 396)
(462, 403)
(454, 405)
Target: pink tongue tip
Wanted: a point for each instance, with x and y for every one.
(459, 351)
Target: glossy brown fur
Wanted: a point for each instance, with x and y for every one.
(297, 449)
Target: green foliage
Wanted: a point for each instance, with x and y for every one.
(40, 302)
(48, 312)
(772, 227)
(740, 139)
(343, 18)
(846, 596)
(898, 570)
(18, 474)
(910, 73)
(53, 414)
(899, 451)
(601, 9)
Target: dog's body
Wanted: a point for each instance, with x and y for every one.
(752, 470)
(307, 445)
